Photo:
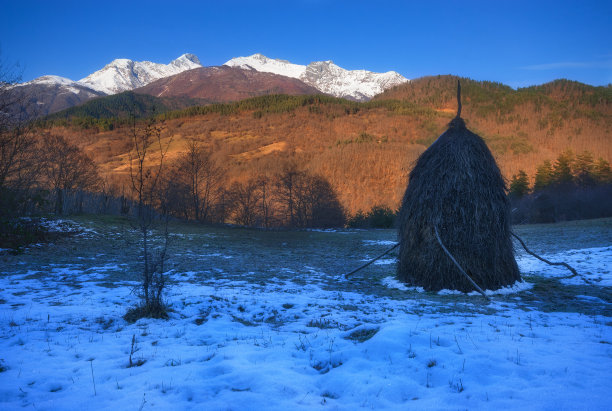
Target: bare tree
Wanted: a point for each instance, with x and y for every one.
(177, 200)
(308, 201)
(66, 168)
(244, 202)
(285, 193)
(146, 177)
(222, 206)
(266, 205)
(198, 171)
(19, 165)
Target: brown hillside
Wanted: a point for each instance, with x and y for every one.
(366, 150)
(224, 84)
(526, 126)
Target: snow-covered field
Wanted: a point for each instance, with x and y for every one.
(266, 321)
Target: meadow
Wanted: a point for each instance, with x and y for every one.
(266, 320)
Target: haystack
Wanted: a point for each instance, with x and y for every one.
(456, 190)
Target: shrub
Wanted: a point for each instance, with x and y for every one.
(378, 217)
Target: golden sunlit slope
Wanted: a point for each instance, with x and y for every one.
(366, 150)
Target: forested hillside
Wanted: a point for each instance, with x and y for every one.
(365, 150)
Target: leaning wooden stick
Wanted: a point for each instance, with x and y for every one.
(458, 266)
(371, 261)
(566, 265)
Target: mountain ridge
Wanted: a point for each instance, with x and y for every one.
(327, 77)
(125, 74)
(49, 94)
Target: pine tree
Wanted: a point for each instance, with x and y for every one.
(544, 176)
(602, 172)
(519, 186)
(583, 169)
(562, 169)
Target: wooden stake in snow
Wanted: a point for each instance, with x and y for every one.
(92, 377)
(566, 265)
(372, 260)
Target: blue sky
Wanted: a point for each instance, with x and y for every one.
(519, 43)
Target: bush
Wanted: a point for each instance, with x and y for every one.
(377, 217)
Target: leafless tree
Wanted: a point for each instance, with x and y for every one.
(266, 204)
(222, 206)
(244, 203)
(146, 176)
(199, 173)
(66, 168)
(307, 200)
(177, 200)
(19, 165)
(285, 193)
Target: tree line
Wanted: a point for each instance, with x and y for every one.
(574, 186)
(110, 112)
(293, 198)
(41, 172)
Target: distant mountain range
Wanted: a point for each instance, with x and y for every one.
(238, 78)
(325, 76)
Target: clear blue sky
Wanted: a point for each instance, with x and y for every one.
(518, 43)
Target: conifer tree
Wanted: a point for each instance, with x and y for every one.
(562, 169)
(583, 168)
(519, 186)
(544, 176)
(602, 172)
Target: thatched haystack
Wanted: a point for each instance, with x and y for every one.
(457, 187)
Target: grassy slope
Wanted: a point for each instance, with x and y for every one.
(366, 150)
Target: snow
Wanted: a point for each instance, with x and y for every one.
(591, 263)
(379, 242)
(381, 261)
(289, 344)
(260, 62)
(392, 282)
(124, 74)
(325, 76)
(51, 80)
(65, 84)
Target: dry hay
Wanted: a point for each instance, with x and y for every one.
(457, 187)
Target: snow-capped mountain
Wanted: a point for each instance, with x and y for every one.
(123, 74)
(325, 76)
(65, 84)
(48, 94)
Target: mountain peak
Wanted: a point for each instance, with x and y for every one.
(187, 57)
(119, 63)
(124, 74)
(325, 76)
(50, 80)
